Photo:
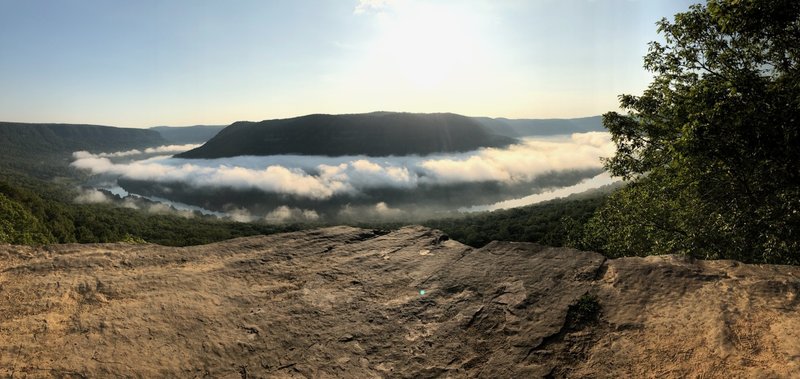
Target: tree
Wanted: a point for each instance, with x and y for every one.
(712, 145)
(19, 226)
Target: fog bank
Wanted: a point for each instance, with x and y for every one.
(318, 177)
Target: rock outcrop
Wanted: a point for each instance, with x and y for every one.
(348, 302)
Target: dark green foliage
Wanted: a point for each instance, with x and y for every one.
(37, 216)
(44, 204)
(107, 223)
(585, 311)
(554, 223)
(44, 150)
(373, 134)
(713, 143)
(49, 138)
(19, 226)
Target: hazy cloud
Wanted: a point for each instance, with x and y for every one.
(379, 211)
(285, 214)
(91, 196)
(129, 203)
(524, 161)
(366, 6)
(240, 215)
(149, 150)
(316, 177)
(385, 210)
(281, 214)
(597, 181)
(170, 148)
(163, 209)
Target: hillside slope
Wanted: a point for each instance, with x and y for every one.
(372, 134)
(542, 127)
(44, 150)
(347, 302)
(180, 135)
(72, 137)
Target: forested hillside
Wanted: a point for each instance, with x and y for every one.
(553, 223)
(50, 138)
(44, 150)
(38, 191)
(37, 212)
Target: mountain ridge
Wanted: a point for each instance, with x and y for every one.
(371, 134)
(49, 137)
(542, 127)
(44, 150)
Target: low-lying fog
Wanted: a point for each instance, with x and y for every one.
(297, 188)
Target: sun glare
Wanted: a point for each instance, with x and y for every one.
(426, 45)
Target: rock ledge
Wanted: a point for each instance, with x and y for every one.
(348, 302)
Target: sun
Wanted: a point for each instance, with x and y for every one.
(426, 45)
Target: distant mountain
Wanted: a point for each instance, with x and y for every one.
(72, 137)
(180, 135)
(541, 127)
(44, 150)
(372, 134)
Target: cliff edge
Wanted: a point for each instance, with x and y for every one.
(348, 302)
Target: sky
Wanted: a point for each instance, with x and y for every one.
(145, 63)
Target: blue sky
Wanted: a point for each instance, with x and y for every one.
(145, 63)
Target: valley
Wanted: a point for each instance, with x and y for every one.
(400, 189)
(73, 204)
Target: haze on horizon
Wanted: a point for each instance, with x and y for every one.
(147, 63)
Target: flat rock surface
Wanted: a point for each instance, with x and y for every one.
(348, 302)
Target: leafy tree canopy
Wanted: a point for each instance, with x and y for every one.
(712, 144)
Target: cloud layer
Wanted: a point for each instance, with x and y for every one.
(320, 178)
(150, 150)
(90, 196)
